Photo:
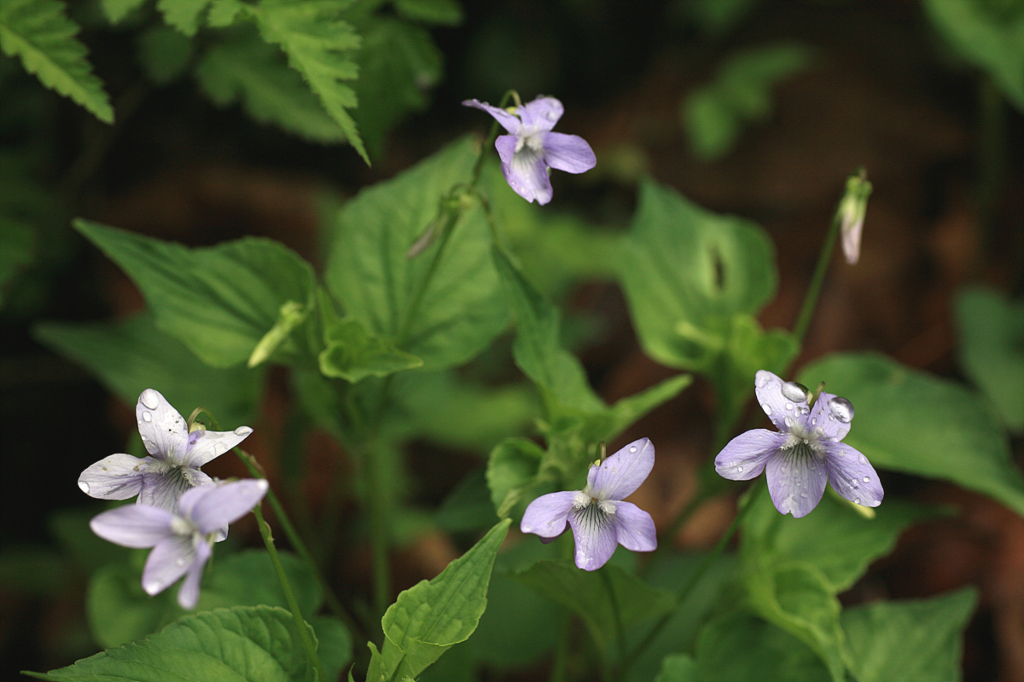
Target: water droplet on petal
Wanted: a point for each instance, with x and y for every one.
(814, 422)
(804, 495)
(739, 469)
(219, 448)
(867, 479)
(856, 500)
(863, 459)
(147, 417)
(632, 448)
(789, 421)
(152, 587)
(841, 408)
(789, 406)
(179, 562)
(767, 409)
(84, 486)
(243, 431)
(150, 398)
(795, 392)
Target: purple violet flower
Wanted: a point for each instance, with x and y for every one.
(173, 468)
(599, 518)
(805, 454)
(182, 542)
(531, 148)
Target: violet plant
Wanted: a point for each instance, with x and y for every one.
(424, 283)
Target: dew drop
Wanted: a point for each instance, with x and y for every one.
(804, 495)
(147, 417)
(841, 408)
(762, 378)
(789, 421)
(739, 469)
(551, 116)
(150, 398)
(789, 406)
(866, 479)
(767, 409)
(243, 431)
(632, 448)
(863, 459)
(152, 587)
(795, 392)
(814, 422)
(84, 486)
(219, 448)
(856, 500)
(179, 562)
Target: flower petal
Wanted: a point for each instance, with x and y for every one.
(506, 146)
(852, 475)
(595, 536)
(745, 455)
(634, 528)
(828, 421)
(507, 120)
(116, 477)
(164, 484)
(540, 115)
(768, 388)
(528, 176)
(168, 561)
(204, 446)
(212, 508)
(617, 477)
(133, 525)
(569, 153)
(796, 480)
(162, 428)
(546, 515)
(188, 593)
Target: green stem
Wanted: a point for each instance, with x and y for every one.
(696, 576)
(298, 545)
(293, 605)
(379, 532)
(620, 630)
(803, 320)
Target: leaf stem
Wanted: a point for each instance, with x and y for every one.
(289, 595)
(803, 320)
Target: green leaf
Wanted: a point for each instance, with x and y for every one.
(398, 65)
(17, 246)
(602, 599)
(431, 617)
(116, 10)
(131, 355)
(739, 646)
(914, 422)
(911, 641)
(220, 300)
(511, 472)
(320, 45)
(835, 539)
(183, 14)
(982, 37)
(799, 599)
(214, 645)
(251, 71)
(334, 644)
(714, 115)
(369, 273)
(164, 53)
(41, 34)
(687, 273)
(678, 668)
(352, 354)
(991, 330)
(444, 12)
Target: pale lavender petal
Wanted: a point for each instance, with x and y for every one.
(540, 115)
(569, 153)
(507, 120)
(506, 146)
(768, 388)
(213, 507)
(634, 528)
(188, 593)
(744, 456)
(204, 446)
(617, 477)
(796, 480)
(164, 484)
(546, 516)
(595, 536)
(827, 417)
(116, 477)
(168, 561)
(133, 525)
(852, 475)
(162, 428)
(528, 176)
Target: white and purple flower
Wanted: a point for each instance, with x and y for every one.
(182, 542)
(173, 465)
(531, 148)
(805, 454)
(599, 518)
